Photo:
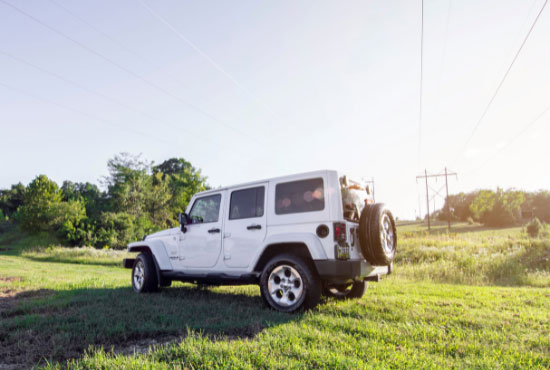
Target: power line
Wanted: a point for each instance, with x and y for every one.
(117, 42)
(132, 73)
(101, 95)
(517, 37)
(87, 115)
(513, 140)
(207, 58)
(501, 83)
(105, 121)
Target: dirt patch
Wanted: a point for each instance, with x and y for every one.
(144, 345)
(11, 354)
(10, 298)
(10, 279)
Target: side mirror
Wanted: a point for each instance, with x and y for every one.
(184, 220)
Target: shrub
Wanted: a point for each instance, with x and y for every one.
(118, 229)
(470, 221)
(40, 200)
(534, 228)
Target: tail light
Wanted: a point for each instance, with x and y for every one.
(340, 232)
(341, 248)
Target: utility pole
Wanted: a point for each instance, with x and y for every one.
(447, 201)
(426, 176)
(427, 198)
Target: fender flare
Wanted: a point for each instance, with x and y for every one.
(311, 242)
(158, 250)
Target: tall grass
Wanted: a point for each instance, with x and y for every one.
(497, 257)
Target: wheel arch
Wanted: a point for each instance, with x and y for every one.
(298, 249)
(157, 250)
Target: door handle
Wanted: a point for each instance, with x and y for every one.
(254, 227)
(214, 231)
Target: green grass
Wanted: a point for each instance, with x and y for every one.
(473, 255)
(440, 309)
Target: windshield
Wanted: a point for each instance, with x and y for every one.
(354, 198)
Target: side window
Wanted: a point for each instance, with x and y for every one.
(247, 203)
(299, 196)
(206, 209)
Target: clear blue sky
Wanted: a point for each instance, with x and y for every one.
(280, 87)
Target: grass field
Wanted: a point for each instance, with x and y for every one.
(473, 298)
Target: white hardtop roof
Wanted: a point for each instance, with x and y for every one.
(295, 176)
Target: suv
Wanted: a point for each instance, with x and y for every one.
(297, 237)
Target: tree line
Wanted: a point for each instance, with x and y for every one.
(497, 207)
(139, 198)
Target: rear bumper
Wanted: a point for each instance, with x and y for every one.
(335, 270)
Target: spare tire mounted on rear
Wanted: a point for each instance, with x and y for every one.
(377, 234)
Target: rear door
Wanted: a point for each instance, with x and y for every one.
(201, 244)
(245, 224)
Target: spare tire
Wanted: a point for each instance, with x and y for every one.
(377, 234)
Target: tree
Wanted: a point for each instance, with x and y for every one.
(128, 184)
(12, 199)
(174, 166)
(183, 180)
(139, 199)
(40, 200)
(540, 203)
(91, 196)
(44, 209)
(459, 205)
(500, 208)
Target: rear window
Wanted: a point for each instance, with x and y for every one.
(299, 196)
(247, 203)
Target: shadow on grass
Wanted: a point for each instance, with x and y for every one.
(75, 260)
(57, 326)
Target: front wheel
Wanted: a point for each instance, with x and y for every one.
(144, 274)
(346, 291)
(288, 284)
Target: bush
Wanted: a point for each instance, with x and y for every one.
(41, 199)
(500, 208)
(116, 230)
(470, 221)
(534, 228)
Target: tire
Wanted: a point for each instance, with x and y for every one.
(144, 274)
(377, 235)
(289, 284)
(346, 291)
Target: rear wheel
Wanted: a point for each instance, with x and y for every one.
(288, 284)
(144, 274)
(346, 291)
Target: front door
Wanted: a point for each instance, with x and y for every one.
(245, 225)
(202, 242)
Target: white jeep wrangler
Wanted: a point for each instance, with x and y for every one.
(297, 236)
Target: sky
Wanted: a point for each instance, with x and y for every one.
(247, 90)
